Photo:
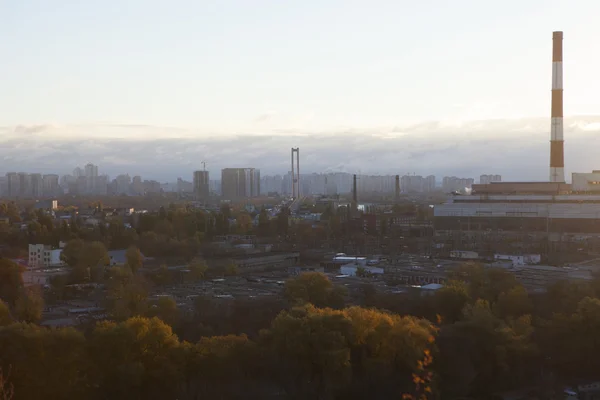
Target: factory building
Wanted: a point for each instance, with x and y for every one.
(522, 216)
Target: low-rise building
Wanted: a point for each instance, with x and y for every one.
(352, 269)
(44, 256)
(267, 260)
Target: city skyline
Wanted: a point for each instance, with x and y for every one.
(235, 184)
(467, 149)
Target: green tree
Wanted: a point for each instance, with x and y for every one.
(11, 281)
(314, 288)
(165, 308)
(72, 251)
(514, 303)
(136, 359)
(482, 354)
(264, 224)
(451, 299)
(569, 340)
(5, 316)
(134, 257)
(44, 363)
(197, 269)
(221, 367)
(30, 305)
(231, 270)
(310, 351)
(127, 294)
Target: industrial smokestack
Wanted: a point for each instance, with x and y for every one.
(557, 156)
(354, 194)
(397, 187)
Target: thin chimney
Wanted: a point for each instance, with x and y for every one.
(354, 194)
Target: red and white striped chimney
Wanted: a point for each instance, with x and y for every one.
(557, 157)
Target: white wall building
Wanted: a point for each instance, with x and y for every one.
(352, 268)
(585, 182)
(485, 179)
(464, 255)
(525, 259)
(43, 256)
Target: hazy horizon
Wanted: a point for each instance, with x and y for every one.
(517, 149)
(384, 87)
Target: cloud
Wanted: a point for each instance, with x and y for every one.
(517, 149)
(269, 115)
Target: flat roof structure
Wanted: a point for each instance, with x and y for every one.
(521, 188)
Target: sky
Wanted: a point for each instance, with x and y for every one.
(155, 70)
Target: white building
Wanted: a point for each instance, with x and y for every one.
(586, 182)
(43, 256)
(352, 268)
(525, 259)
(430, 289)
(464, 255)
(485, 179)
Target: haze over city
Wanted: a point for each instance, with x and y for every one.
(153, 88)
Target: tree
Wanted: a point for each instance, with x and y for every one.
(231, 270)
(5, 317)
(451, 299)
(166, 309)
(310, 351)
(11, 281)
(134, 257)
(44, 363)
(264, 224)
(136, 358)
(162, 276)
(72, 251)
(221, 367)
(127, 294)
(283, 221)
(244, 222)
(482, 353)
(7, 390)
(197, 269)
(87, 259)
(514, 303)
(314, 288)
(571, 339)
(30, 305)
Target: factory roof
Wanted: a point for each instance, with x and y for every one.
(521, 187)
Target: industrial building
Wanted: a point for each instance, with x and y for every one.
(498, 216)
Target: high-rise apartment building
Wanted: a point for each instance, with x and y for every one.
(485, 179)
(201, 184)
(24, 185)
(50, 185)
(239, 183)
(137, 185)
(91, 175)
(13, 184)
(37, 186)
(452, 183)
(429, 183)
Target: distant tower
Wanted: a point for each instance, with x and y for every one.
(296, 173)
(557, 157)
(354, 191)
(397, 188)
